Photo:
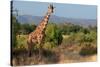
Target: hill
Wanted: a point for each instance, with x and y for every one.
(56, 19)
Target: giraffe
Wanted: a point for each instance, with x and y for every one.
(37, 36)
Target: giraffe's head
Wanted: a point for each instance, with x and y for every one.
(50, 9)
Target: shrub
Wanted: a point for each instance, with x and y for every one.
(21, 41)
(15, 29)
(73, 38)
(68, 28)
(49, 45)
(53, 34)
(90, 37)
(88, 50)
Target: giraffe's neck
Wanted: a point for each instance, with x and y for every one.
(43, 23)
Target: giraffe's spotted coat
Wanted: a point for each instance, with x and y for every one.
(36, 37)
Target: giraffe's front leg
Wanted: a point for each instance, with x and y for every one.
(40, 38)
(29, 49)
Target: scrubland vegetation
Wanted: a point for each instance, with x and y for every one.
(64, 43)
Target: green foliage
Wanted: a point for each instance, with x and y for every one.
(90, 37)
(88, 50)
(81, 38)
(15, 28)
(49, 45)
(21, 41)
(85, 30)
(73, 38)
(18, 29)
(27, 28)
(68, 28)
(53, 34)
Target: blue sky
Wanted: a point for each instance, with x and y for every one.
(62, 10)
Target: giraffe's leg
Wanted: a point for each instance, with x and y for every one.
(29, 49)
(40, 53)
(29, 52)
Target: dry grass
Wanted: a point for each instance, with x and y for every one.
(64, 53)
(60, 54)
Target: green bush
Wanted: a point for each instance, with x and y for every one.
(53, 34)
(88, 50)
(15, 29)
(68, 28)
(21, 41)
(27, 28)
(48, 45)
(90, 37)
(73, 38)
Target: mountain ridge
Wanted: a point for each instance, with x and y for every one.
(56, 19)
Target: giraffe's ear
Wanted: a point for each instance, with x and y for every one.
(53, 9)
(51, 6)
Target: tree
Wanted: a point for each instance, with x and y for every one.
(68, 28)
(53, 34)
(15, 29)
(27, 28)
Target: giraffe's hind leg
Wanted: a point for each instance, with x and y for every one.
(40, 52)
(29, 49)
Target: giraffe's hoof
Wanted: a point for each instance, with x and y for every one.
(29, 54)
